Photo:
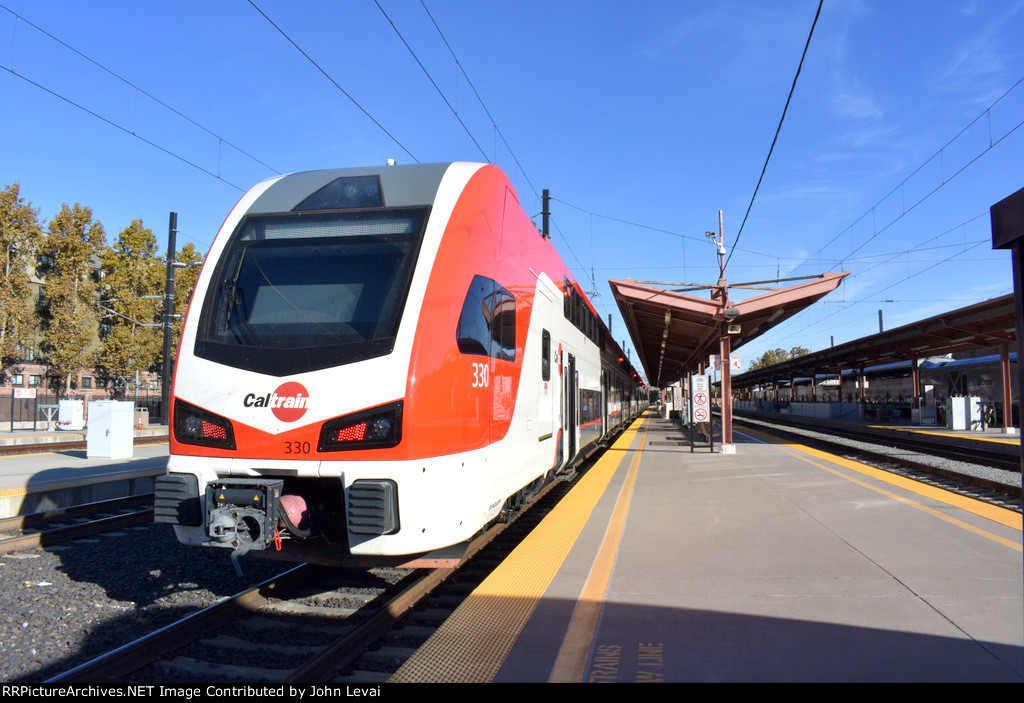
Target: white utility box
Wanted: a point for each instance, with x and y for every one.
(110, 432)
(964, 412)
(71, 415)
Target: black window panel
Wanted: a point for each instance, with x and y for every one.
(545, 357)
(474, 330)
(347, 192)
(297, 293)
(503, 338)
(487, 323)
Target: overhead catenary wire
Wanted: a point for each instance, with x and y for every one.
(137, 88)
(124, 129)
(432, 81)
(333, 82)
(905, 211)
(868, 296)
(472, 87)
(778, 129)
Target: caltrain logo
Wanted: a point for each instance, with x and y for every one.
(288, 403)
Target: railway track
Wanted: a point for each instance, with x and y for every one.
(65, 524)
(313, 624)
(991, 476)
(1002, 456)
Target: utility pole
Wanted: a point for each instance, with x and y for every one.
(165, 378)
(727, 315)
(545, 212)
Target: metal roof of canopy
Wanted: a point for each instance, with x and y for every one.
(984, 325)
(674, 332)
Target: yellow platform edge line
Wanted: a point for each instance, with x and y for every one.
(1002, 516)
(1002, 439)
(571, 661)
(473, 642)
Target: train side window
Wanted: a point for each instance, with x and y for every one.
(545, 357)
(474, 330)
(487, 324)
(503, 328)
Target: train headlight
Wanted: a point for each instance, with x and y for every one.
(194, 425)
(376, 428)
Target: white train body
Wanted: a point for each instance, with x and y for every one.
(375, 362)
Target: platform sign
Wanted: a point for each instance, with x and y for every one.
(700, 384)
(701, 397)
(700, 406)
(735, 362)
(24, 392)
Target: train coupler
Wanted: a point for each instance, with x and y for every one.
(243, 513)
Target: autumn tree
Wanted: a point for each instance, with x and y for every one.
(131, 295)
(69, 265)
(19, 241)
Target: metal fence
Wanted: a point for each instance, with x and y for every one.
(40, 413)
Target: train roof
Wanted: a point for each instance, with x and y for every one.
(972, 361)
(398, 186)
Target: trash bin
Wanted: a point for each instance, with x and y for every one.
(141, 418)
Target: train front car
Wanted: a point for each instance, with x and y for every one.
(372, 365)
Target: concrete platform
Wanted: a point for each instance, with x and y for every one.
(58, 437)
(63, 477)
(770, 564)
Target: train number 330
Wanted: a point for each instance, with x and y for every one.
(297, 448)
(481, 375)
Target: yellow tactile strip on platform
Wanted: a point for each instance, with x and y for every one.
(472, 644)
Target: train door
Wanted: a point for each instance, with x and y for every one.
(606, 419)
(571, 391)
(547, 395)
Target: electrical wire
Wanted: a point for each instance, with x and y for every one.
(902, 184)
(432, 81)
(333, 82)
(778, 129)
(968, 246)
(120, 127)
(480, 99)
(137, 88)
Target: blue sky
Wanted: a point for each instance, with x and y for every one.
(642, 119)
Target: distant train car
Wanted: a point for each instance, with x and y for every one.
(941, 378)
(379, 362)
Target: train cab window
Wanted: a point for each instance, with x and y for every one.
(545, 357)
(487, 324)
(305, 291)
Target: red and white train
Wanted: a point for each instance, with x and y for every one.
(379, 362)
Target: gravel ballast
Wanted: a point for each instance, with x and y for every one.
(61, 606)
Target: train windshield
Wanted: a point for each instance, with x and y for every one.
(301, 292)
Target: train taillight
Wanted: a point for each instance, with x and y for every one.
(376, 428)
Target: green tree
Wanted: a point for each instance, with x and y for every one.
(774, 356)
(19, 241)
(70, 266)
(131, 294)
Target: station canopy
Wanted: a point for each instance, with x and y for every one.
(674, 333)
(985, 325)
